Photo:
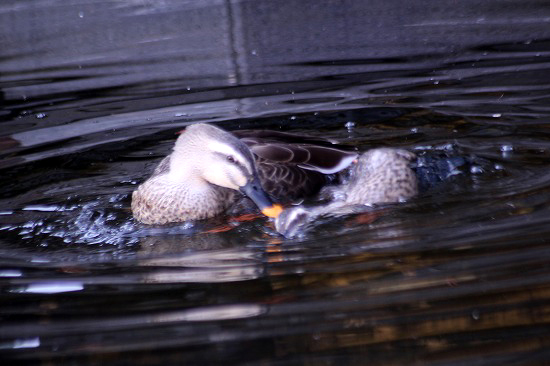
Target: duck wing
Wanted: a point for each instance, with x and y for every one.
(287, 183)
(294, 166)
(322, 159)
(309, 153)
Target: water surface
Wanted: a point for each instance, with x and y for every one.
(457, 276)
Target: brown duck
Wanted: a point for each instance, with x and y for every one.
(210, 169)
(381, 175)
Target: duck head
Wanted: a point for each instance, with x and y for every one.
(215, 156)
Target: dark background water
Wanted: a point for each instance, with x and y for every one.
(93, 92)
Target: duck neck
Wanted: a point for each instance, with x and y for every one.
(184, 170)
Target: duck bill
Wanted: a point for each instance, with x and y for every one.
(255, 192)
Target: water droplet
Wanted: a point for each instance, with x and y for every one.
(475, 314)
(476, 169)
(414, 130)
(41, 115)
(444, 147)
(506, 148)
(254, 53)
(496, 115)
(436, 82)
(81, 14)
(350, 125)
(293, 117)
(181, 114)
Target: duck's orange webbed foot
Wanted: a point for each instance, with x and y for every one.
(219, 229)
(364, 218)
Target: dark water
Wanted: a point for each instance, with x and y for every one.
(93, 94)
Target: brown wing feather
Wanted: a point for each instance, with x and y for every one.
(293, 166)
(286, 183)
(281, 153)
(327, 160)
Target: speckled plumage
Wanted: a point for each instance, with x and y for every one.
(159, 201)
(381, 175)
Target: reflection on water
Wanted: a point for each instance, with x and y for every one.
(457, 276)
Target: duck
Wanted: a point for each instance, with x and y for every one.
(379, 176)
(210, 169)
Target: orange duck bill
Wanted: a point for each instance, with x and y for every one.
(255, 192)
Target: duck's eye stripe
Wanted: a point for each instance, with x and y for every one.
(229, 158)
(234, 161)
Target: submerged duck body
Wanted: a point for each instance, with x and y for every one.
(380, 175)
(209, 169)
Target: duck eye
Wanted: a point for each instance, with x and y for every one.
(230, 159)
